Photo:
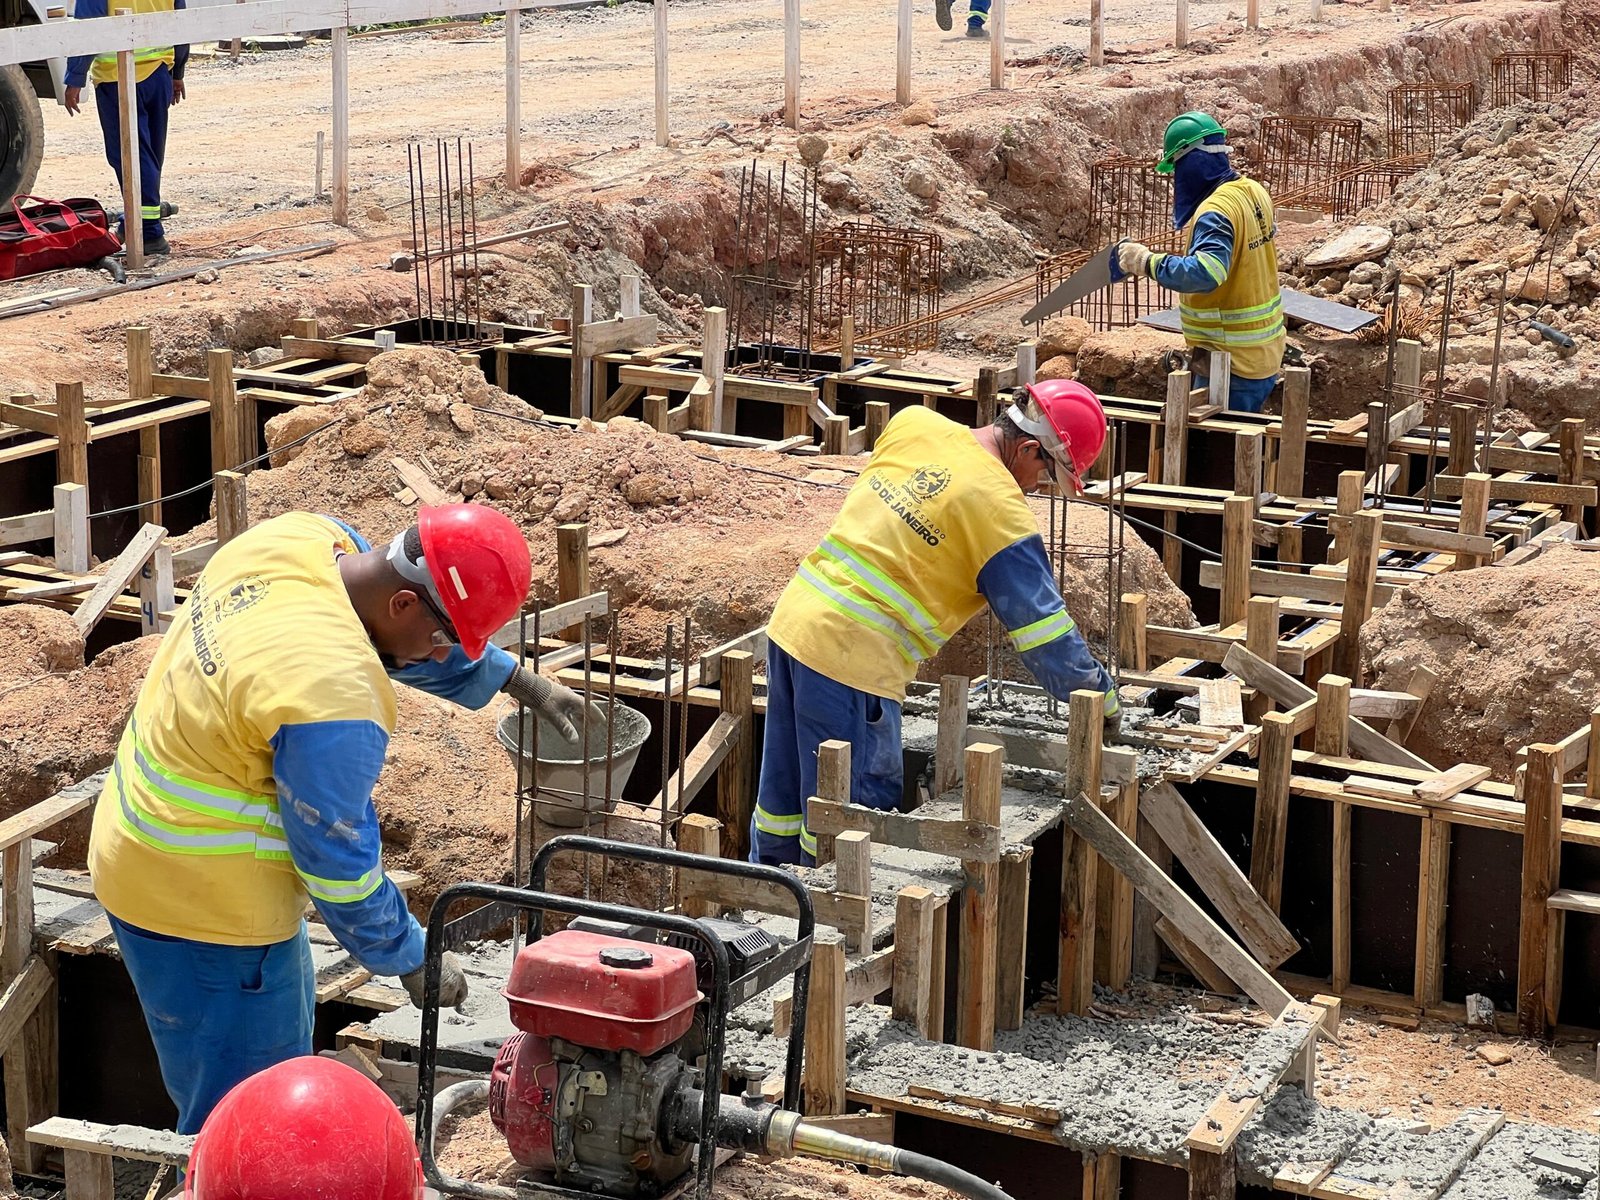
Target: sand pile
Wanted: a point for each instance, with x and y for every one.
(60, 720)
(1516, 649)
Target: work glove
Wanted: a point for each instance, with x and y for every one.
(452, 983)
(1112, 731)
(561, 706)
(1133, 258)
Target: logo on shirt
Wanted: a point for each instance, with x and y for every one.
(929, 482)
(242, 595)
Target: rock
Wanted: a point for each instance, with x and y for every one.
(471, 484)
(262, 355)
(921, 112)
(1062, 335)
(1537, 288)
(1367, 272)
(463, 418)
(836, 187)
(812, 147)
(207, 276)
(288, 427)
(1358, 244)
(360, 438)
(1493, 1054)
(919, 183)
(1546, 210)
(1358, 293)
(378, 215)
(1061, 366)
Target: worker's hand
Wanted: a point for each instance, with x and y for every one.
(452, 983)
(71, 99)
(177, 91)
(1112, 732)
(559, 705)
(1132, 258)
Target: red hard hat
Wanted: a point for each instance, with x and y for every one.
(306, 1129)
(474, 566)
(1067, 419)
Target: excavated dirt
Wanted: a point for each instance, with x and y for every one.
(470, 1148)
(1515, 649)
(60, 720)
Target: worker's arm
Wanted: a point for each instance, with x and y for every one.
(1205, 268)
(180, 54)
(78, 67)
(459, 679)
(1018, 584)
(325, 771)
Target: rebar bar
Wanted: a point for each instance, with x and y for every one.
(1537, 75)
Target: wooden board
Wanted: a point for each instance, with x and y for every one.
(971, 841)
(1221, 703)
(1451, 783)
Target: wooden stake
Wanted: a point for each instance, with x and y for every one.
(1341, 895)
(1272, 808)
(30, 1063)
(224, 410)
(1474, 518)
(1113, 934)
(902, 55)
(1361, 572)
(1347, 503)
(914, 952)
(513, 99)
(877, 418)
(1132, 642)
(1097, 33)
(581, 403)
(1237, 515)
(852, 856)
(132, 185)
(735, 796)
(833, 783)
(1247, 448)
(72, 433)
(341, 126)
(1180, 37)
(156, 591)
(952, 733)
(1027, 362)
(150, 474)
(714, 361)
(1291, 480)
(1252, 20)
(663, 114)
(985, 393)
(1079, 867)
(1591, 787)
(836, 435)
(1332, 732)
(791, 63)
(1463, 439)
(141, 364)
(572, 562)
(1213, 1176)
(699, 834)
(1016, 870)
(72, 528)
(975, 985)
(1571, 434)
(233, 514)
(1433, 889)
(1261, 639)
(628, 304)
(316, 178)
(822, 1080)
(997, 44)
(1541, 865)
(847, 342)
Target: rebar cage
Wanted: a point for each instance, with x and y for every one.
(771, 307)
(887, 279)
(1299, 159)
(1537, 75)
(1423, 116)
(1372, 183)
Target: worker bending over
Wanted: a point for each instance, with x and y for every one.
(1228, 280)
(243, 781)
(158, 85)
(936, 526)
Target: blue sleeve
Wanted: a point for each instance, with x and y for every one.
(1019, 586)
(78, 67)
(325, 772)
(459, 679)
(1206, 266)
(180, 54)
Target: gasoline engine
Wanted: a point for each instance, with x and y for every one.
(620, 1022)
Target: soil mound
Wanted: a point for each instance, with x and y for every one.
(1516, 649)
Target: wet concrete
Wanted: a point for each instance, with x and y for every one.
(1504, 1169)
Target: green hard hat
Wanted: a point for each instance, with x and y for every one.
(1183, 131)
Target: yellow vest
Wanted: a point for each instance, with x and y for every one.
(896, 577)
(145, 62)
(188, 839)
(1244, 316)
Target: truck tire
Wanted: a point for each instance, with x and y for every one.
(21, 133)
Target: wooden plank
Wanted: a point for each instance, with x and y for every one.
(971, 841)
(28, 527)
(868, 977)
(420, 482)
(822, 1078)
(952, 732)
(1221, 704)
(1015, 873)
(975, 982)
(1523, 490)
(735, 795)
(330, 350)
(1247, 1089)
(852, 857)
(1088, 822)
(1209, 646)
(1569, 900)
(1286, 690)
(117, 576)
(696, 770)
(1217, 875)
(32, 419)
(1079, 866)
(39, 817)
(1266, 582)
(623, 333)
(1541, 856)
(122, 1141)
(21, 997)
(1113, 935)
(915, 951)
(1210, 976)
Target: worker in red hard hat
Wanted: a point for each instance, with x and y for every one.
(307, 1129)
(243, 781)
(935, 528)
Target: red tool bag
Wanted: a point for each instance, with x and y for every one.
(48, 235)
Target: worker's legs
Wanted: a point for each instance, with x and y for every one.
(977, 14)
(153, 98)
(804, 709)
(218, 1014)
(1244, 395)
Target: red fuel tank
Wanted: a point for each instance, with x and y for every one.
(603, 992)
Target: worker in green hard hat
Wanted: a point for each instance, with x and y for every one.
(1227, 280)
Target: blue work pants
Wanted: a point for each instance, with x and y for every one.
(804, 709)
(152, 97)
(218, 1014)
(1244, 395)
(977, 11)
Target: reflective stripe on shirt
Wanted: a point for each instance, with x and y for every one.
(1031, 637)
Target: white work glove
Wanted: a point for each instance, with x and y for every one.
(561, 706)
(1133, 258)
(452, 983)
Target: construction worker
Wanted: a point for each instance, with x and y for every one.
(1228, 279)
(307, 1129)
(935, 527)
(977, 17)
(158, 72)
(243, 781)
